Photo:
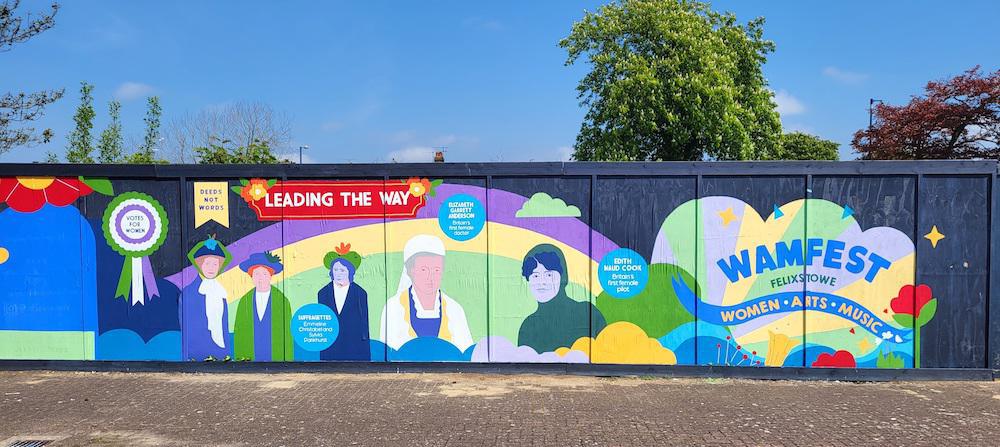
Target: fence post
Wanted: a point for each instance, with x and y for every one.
(992, 308)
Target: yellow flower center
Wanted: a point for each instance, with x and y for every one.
(36, 183)
(4, 255)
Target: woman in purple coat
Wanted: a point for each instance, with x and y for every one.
(205, 313)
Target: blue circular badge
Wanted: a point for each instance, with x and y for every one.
(462, 217)
(623, 273)
(314, 327)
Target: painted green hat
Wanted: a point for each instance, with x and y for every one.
(210, 247)
(342, 252)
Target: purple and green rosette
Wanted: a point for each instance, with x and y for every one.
(135, 226)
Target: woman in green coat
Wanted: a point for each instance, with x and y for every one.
(262, 331)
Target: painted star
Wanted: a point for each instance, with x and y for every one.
(848, 212)
(864, 344)
(934, 236)
(727, 216)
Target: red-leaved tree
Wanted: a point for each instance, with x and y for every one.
(957, 118)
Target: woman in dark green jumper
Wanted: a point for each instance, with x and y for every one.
(559, 320)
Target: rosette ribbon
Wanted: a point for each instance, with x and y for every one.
(135, 226)
(138, 280)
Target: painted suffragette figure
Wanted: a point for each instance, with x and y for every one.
(559, 320)
(420, 308)
(205, 313)
(349, 303)
(263, 316)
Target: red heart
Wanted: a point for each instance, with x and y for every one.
(852, 330)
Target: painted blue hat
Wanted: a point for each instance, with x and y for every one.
(265, 259)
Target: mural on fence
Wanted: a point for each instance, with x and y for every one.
(420, 269)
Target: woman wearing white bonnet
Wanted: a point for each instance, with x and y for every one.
(420, 308)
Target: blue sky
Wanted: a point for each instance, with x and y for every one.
(379, 80)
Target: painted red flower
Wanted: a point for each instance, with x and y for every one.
(911, 298)
(418, 186)
(254, 190)
(839, 359)
(30, 194)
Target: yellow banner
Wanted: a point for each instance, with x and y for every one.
(211, 202)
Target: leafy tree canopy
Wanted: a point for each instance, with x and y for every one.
(802, 146)
(956, 118)
(80, 144)
(110, 144)
(225, 152)
(672, 80)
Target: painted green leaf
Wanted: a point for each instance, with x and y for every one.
(271, 182)
(905, 320)
(927, 312)
(99, 185)
(436, 183)
(244, 181)
(236, 189)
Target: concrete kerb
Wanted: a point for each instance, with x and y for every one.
(601, 370)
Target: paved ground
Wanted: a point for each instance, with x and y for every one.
(138, 409)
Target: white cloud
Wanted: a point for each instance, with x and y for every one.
(412, 154)
(565, 153)
(844, 76)
(129, 91)
(976, 130)
(417, 146)
(986, 133)
(787, 104)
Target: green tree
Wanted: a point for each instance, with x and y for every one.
(802, 146)
(19, 109)
(146, 154)
(110, 146)
(672, 80)
(225, 152)
(81, 144)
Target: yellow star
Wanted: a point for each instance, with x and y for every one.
(934, 236)
(864, 344)
(727, 216)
